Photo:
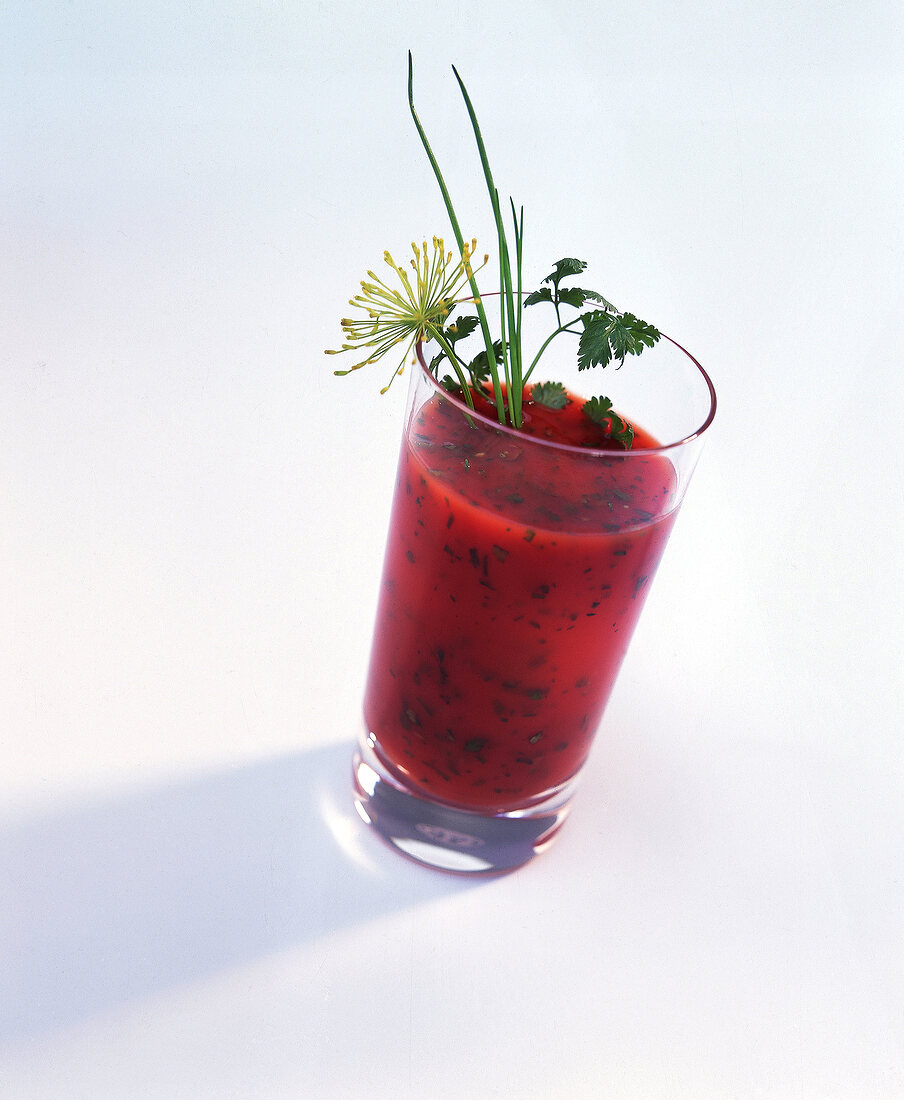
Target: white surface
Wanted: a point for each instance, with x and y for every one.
(193, 514)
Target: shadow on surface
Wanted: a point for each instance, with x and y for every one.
(136, 894)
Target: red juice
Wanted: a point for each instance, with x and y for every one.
(515, 574)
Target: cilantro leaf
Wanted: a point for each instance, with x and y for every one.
(552, 395)
(597, 409)
(621, 431)
(451, 385)
(461, 328)
(457, 330)
(544, 294)
(600, 411)
(609, 336)
(572, 296)
(479, 367)
(576, 296)
(628, 335)
(594, 296)
(562, 268)
(593, 347)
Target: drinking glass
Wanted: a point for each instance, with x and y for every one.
(515, 572)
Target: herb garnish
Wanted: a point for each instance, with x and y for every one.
(499, 371)
(551, 394)
(600, 411)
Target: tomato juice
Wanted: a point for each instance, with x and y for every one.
(516, 568)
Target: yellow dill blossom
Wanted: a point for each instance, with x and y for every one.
(416, 311)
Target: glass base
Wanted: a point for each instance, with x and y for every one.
(447, 838)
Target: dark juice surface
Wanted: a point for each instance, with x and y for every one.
(513, 579)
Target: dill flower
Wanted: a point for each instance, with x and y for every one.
(415, 312)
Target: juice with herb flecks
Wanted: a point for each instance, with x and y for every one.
(514, 576)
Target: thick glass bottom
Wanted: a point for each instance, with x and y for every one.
(447, 838)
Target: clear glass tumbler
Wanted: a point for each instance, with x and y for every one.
(515, 572)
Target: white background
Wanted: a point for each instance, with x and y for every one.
(192, 516)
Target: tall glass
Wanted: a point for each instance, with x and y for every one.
(516, 569)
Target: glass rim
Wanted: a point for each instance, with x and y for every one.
(490, 422)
